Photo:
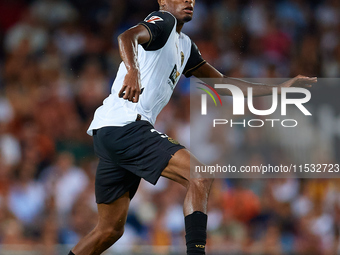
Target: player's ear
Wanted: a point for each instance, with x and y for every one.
(161, 4)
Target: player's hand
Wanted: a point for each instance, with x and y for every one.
(299, 81)
(131, 88)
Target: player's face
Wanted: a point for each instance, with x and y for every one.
(181, 9)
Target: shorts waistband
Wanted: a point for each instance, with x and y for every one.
(139, 117)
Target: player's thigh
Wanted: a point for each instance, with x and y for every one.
(179, 166)
(112, 217)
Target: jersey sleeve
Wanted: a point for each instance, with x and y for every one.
(195, 60)
(159, 24)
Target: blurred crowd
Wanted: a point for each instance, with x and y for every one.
(57, 62)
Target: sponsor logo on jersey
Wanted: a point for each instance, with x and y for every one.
(173, 77)
(154, 19)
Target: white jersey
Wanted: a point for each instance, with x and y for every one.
(161, 61)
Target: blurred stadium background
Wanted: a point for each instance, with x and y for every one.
(57, 62)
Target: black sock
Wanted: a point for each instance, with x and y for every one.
(71, 253)
(196, 232)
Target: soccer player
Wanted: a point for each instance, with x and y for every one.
(155, 53)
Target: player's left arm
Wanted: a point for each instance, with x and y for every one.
(208, 71)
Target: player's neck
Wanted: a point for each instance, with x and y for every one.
(179, 27)
(179, 23)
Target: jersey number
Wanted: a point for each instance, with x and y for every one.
(162, 135)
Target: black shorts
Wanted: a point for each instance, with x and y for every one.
(127, 154)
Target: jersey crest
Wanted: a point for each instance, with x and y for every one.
(182, 58)
(154, 19)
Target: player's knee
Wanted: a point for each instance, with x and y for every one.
(110, 234)
(202, 183)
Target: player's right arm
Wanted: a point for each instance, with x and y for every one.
(152, 34)
(128, 45)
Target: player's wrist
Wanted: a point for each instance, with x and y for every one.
(132, 69)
